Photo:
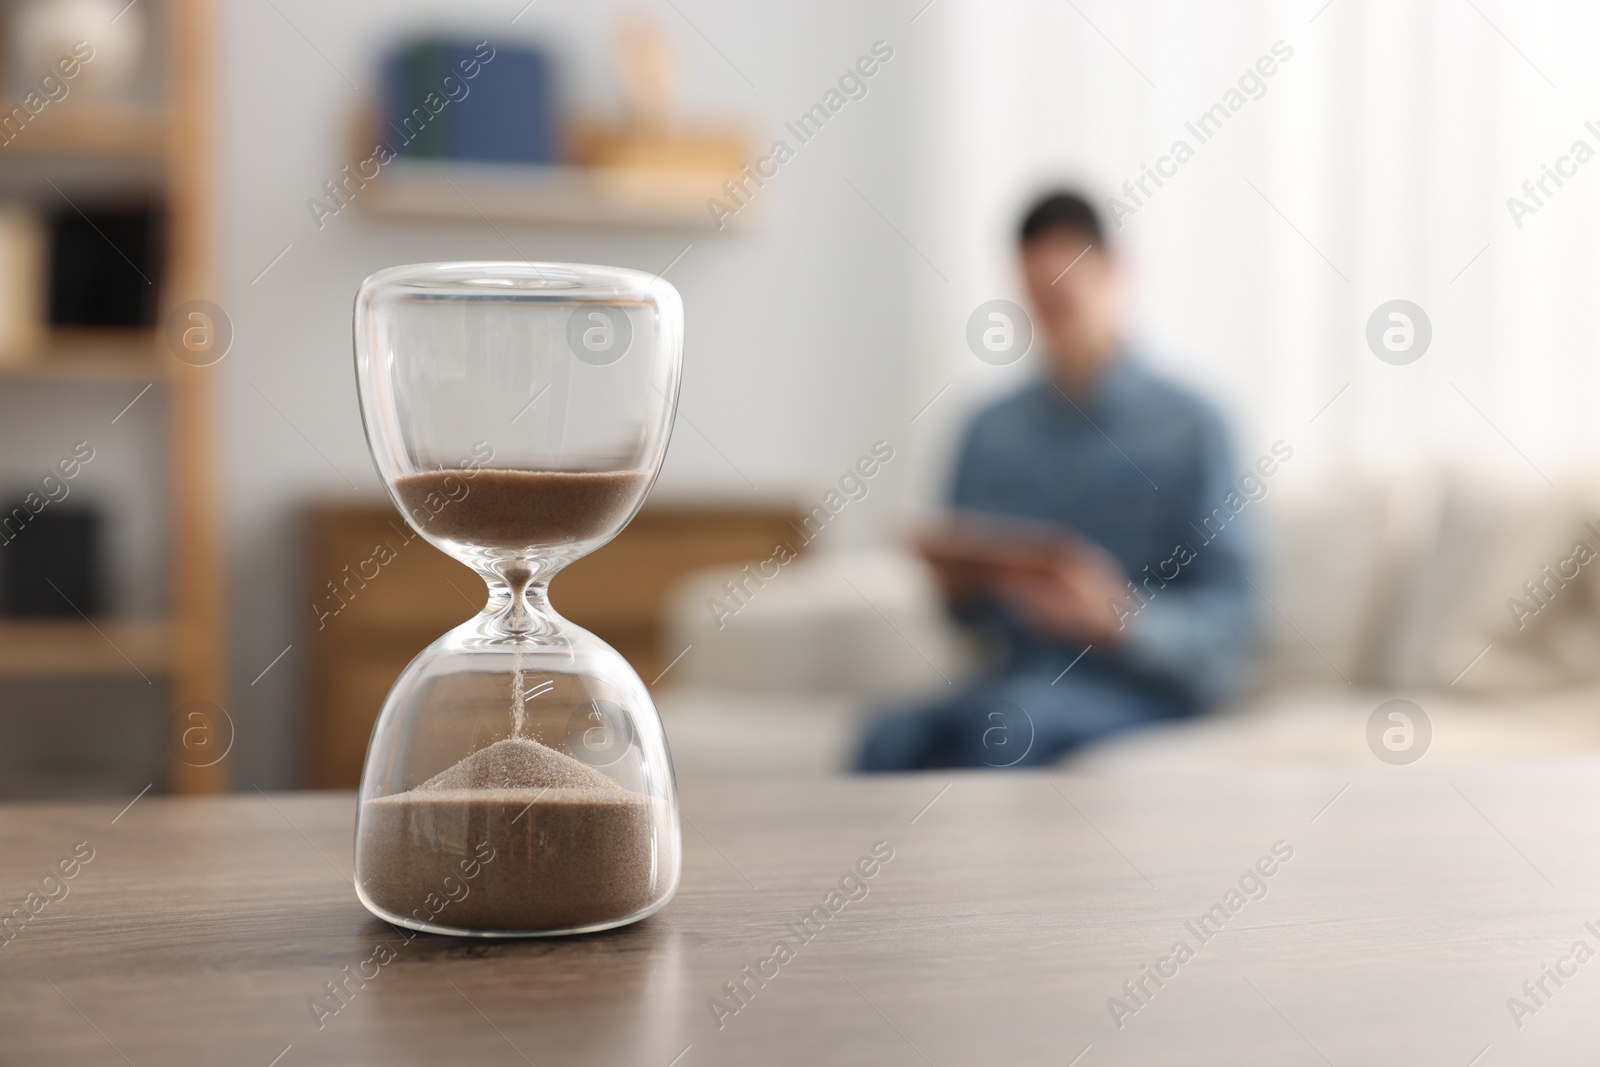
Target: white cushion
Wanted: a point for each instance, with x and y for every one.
(867, 623)
(1493, 536)
(717, 733)
(1323, 561)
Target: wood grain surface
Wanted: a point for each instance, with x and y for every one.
(1415, 903)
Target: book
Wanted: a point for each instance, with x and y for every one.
(22, 284)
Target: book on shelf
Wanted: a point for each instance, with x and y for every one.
(22, 272)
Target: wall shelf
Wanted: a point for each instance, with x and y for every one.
(90, 355)
(49, 648)
(522, 193)
(85, 368)
(86, 128)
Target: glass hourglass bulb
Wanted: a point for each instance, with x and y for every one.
(518, 780)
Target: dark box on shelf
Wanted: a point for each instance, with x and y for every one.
(50, 564)
(104, 266)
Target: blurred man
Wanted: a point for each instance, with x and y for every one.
(1089, 539)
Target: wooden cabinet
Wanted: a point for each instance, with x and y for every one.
(363, 632)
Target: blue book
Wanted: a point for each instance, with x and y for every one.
(505, 112)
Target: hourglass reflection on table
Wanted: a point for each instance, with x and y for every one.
(518, 780)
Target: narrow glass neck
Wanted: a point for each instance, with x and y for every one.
(519, 603)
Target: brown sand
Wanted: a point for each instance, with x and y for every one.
(518, 763)
(572, 848)
(518, 509)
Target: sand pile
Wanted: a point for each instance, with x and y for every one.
(518, 763)
(570, 846)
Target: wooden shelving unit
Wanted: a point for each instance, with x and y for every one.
(188, 650)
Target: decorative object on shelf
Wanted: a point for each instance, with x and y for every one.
(22, 263)
(104, 265)
(446, 99)
(50, 568)
(42, 32)
(464, 137)
(652, 135)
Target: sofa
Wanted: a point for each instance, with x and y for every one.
(1472, 596)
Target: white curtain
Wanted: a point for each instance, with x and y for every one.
(1376, 165)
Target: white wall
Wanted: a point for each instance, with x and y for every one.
(796, 346)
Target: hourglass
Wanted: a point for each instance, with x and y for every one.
(518, 780)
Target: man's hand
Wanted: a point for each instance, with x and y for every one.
(1065, 592)
(1061, 585)
(955, 561)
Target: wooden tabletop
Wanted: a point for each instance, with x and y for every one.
(1404, 909)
